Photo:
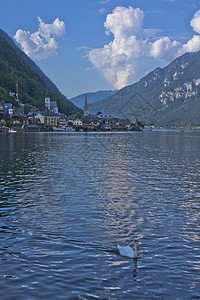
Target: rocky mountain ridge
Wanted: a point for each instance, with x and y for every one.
(165, 97)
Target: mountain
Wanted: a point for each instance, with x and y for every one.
(91, 97)
(166, 97)
(15, 66)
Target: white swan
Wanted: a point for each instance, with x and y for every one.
(128, 251)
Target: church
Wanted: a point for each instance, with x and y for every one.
(85, 112)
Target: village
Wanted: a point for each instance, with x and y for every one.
(50, 119)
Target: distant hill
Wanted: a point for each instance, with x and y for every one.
(165, 97)
(91, 97)
(15, 66)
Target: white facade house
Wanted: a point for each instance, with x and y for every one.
(9, 108)
(77, 123)
(63, 122)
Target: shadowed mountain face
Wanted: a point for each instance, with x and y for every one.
(165, 97)
(15, 65)
(91, 97)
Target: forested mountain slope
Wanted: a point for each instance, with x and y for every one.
(15, 66)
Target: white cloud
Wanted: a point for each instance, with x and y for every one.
(164, 48)
(192, 45)
(115, 60)
(195, 22)
(124, 22)
(104, 2)
(42, 43)
(131, 53)
(102, 11)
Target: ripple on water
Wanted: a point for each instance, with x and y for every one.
(66, 201)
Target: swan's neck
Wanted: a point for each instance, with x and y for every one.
(135, 250)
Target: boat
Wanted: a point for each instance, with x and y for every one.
(70, 129)
(11, 130)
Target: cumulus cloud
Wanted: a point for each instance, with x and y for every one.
(164, 47)
(116, 60)
(195, 22)
(124, 22)
(131, 51)
(42, 43)
(192, 45)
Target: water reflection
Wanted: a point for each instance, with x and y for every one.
(135, 268)
(67, 199)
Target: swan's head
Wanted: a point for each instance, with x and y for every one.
(135, 242)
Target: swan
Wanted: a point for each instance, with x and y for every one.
(128, 251)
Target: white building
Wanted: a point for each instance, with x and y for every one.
(47, 102)
(77, 123)
(51, 105)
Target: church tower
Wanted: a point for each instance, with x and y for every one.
(47, 102)
(86, 113)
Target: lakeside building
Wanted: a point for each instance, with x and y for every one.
(70, 120)
(47, 102)
(51, 119)
(99, 122)
(33, 112)
(10, 113)
(40, 117)
(77, 122)
(63, 121)
(9, 108)
(47, 118)
(54, 107)
(51, 105)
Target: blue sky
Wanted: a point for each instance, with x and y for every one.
(90, 45)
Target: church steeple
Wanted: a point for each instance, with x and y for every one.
(86, 113)
(47, 102)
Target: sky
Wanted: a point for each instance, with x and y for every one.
(91, 45)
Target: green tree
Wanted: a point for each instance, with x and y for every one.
(9, 123)
(27, 109)
(77, 116)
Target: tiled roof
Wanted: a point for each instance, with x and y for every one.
(53, 104)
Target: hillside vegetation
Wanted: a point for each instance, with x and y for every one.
(32, 88)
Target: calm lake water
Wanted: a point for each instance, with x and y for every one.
(67, 199)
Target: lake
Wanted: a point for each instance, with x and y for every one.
(67, 199)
